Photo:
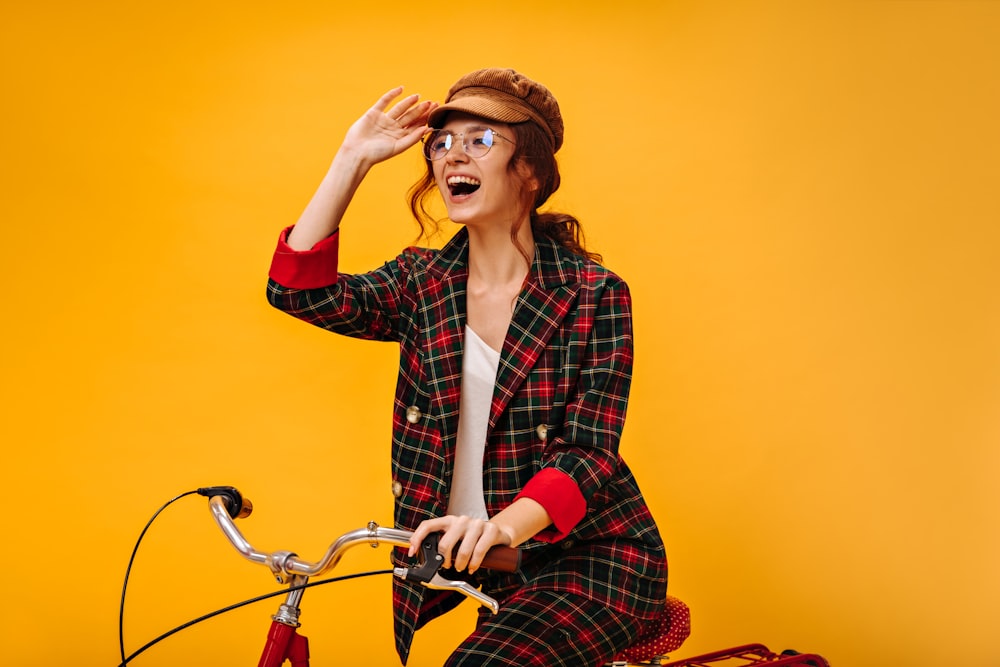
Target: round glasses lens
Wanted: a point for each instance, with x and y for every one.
(479, 142)
(437, 145)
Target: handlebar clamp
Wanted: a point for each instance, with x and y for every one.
(430, 561)
(277, 564)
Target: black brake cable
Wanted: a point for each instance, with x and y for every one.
(128, 570)
(244, 603)
(217, 612)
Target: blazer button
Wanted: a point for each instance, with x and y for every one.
(397, 489)
(542, 431)
(413, 414)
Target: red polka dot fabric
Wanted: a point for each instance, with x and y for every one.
(663, 635)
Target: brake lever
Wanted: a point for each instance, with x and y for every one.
(440, 583)
(427, 574)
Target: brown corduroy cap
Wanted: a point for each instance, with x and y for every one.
(506, 96)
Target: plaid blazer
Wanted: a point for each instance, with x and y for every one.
(560, 401)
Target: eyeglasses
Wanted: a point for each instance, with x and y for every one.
(476, 143)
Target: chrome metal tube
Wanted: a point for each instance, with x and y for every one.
(283, 563)
(221, 515)
(373, 537)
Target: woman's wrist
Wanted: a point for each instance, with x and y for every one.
(505, 531)
(520, 521)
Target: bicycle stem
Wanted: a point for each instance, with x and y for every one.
(288, 612)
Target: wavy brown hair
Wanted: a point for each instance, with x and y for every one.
(533, 150)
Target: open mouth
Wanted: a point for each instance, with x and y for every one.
(462, 185)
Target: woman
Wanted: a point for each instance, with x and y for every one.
(515, 365)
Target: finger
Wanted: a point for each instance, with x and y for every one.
(470, 542)
(417, 114)
(489, 538)
(452, 537)
(402, 107)
(414, 135)
(423, 530)
(383, 102)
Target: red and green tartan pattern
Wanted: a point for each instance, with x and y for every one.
(566, 364)
(547, 629)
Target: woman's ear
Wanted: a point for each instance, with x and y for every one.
(527, 175)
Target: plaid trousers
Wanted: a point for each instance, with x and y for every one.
(544, 628)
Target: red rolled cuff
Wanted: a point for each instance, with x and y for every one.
(305, 269)
(560, 495)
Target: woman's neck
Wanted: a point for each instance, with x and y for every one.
(497, 270)
(494, 260)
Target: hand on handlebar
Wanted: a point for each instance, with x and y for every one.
(464, 541)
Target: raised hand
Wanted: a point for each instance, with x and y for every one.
(378, 135)
(384, 132)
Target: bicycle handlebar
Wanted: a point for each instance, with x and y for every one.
(285, 564)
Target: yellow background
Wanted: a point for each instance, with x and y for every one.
(802, 195)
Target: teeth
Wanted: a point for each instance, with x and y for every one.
(455, 180)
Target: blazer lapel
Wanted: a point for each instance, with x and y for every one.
(539, 312)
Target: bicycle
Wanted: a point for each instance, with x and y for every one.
(284, 643)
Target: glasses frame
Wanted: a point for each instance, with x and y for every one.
(462, 142)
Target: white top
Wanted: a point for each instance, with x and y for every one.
(479, 377)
